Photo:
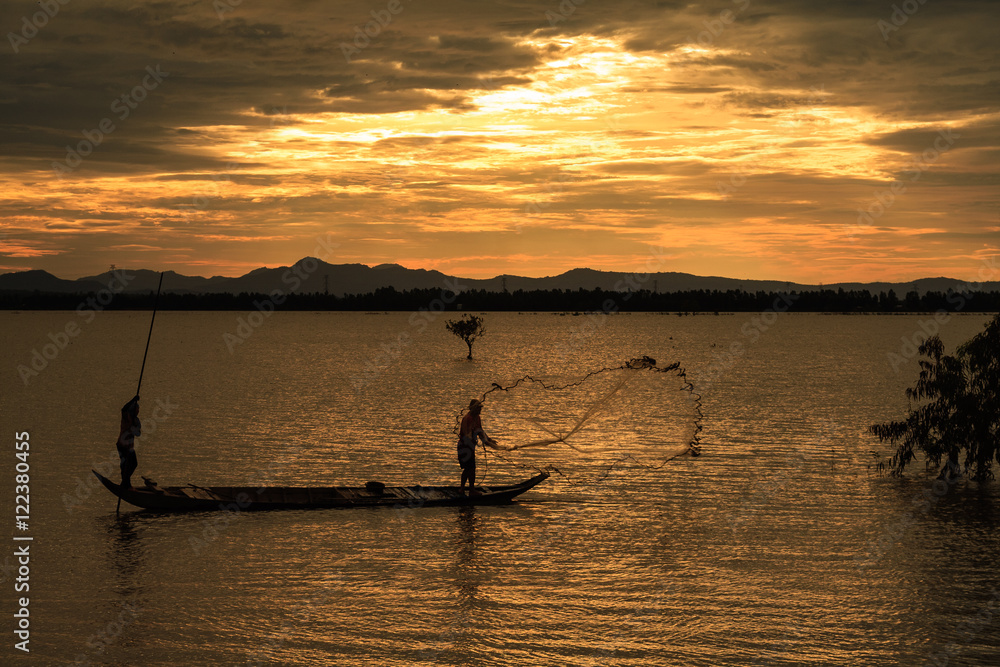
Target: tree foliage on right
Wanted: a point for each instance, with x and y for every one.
(958, 411)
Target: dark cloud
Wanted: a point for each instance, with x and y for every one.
(763, 100)
(946, 136)
(261, 67)
(435, 55)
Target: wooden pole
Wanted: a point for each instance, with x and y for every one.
(144, 354)
(150, 336)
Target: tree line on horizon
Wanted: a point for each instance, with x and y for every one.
(553, 300)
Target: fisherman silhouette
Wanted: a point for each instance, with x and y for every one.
(471, 429)
(131, 428)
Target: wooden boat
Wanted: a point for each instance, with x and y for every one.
(193, 498)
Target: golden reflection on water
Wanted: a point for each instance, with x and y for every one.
(747, 553)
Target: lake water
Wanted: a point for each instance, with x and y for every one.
(777, 546)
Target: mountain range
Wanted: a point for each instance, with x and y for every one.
(314, 275)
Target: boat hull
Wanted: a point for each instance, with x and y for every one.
(235, 498)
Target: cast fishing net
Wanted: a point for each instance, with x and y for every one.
(635, 414)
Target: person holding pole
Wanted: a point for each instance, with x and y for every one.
(471, 430)
(131, 428)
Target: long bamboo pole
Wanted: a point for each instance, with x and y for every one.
(149, 337)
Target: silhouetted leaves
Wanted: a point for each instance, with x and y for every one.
(959, 410)
(582, 300)
(469, 328)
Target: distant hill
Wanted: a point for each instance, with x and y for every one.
(313, 275)
(43, 281)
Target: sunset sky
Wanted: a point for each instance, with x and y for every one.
(743, 139)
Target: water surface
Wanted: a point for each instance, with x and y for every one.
(776, 546)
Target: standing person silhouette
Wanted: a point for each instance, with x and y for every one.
(131, 428)
(470, 430)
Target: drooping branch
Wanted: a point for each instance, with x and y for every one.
(954, 407)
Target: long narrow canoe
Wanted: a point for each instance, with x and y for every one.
(193, 498)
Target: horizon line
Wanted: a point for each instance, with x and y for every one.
(494, 277)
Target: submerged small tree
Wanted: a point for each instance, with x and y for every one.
(959, 410)
(469, 328)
